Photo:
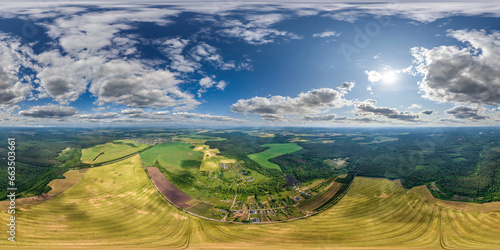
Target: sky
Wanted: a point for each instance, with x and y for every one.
(249, 63)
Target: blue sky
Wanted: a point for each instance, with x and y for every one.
(330, 63)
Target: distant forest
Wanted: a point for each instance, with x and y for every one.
(455, 163)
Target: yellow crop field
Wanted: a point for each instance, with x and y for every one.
(117, 206)
(211, 158)
(110, 151)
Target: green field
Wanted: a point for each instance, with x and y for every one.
(275, 149)
(110, 151)
(175, 157)
(117, 206)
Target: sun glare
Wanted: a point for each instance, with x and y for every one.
(389, 77)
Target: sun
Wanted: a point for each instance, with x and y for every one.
(389, 76)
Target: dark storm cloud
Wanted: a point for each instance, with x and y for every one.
(463, 112)
(368, 108)
(49, 111)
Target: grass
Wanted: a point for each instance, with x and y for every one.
(274, 150)
(175, 157)
(71, 178)
(110, 151)
(117, 206)
(200, 208)
(211, 160)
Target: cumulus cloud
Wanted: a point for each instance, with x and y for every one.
(328, 117)
(346, 86)
(164, 112)
(49, 111)
(136, 113)
(427, 112)
(275, 107)
(415, 106)
(132, 111)
(208, 82)
(373, 76)
(468, 75)
(357, 120)
(100, 116)
(64, 78)
(132, 84)
(256, 29)
(94, 58)
(93, 31)
(464, 112)
(428, 12)
(368, 107)
(173, 49)
(12, 55)
(208, 53)
(326, 34)
(217, 118)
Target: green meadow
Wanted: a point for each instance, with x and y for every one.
(175, 157)
(274, 150)
(111, 151)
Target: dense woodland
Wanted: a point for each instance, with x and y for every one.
(462, 162)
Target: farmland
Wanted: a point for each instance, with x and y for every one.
(114, 202)
(275, 149)
(210, 174)
(317, 201)
(110, 151)
(175, 157)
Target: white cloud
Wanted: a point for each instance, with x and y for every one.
(217, 118)
(99, 116)
(275, 107)
(368, 108)
(257, 29)
(132, 84)
(164, 112)
(415, 106)
(221, 85)
(132, 111)
(462, 75)
(173, 49)
(326, 34)
(62, 77)
(208, 82)
(92, 31)
(338, 9)
(139, 114)
(328, 117)
(347, 16)
(208, 53)
(373, 76)
(13, 55)
(346, 86)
